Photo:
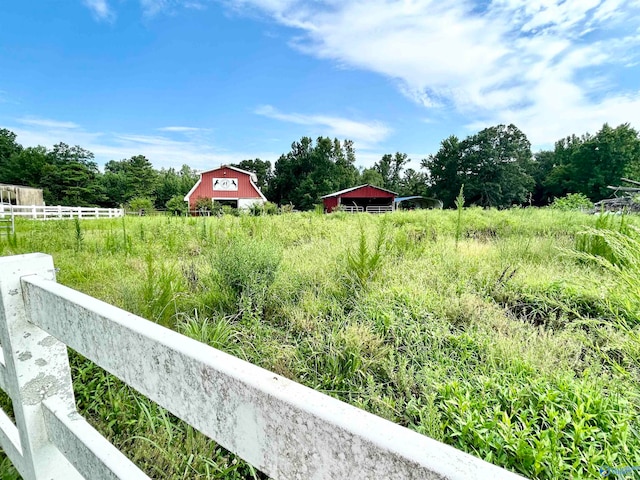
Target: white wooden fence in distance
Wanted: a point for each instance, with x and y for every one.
(41, 212)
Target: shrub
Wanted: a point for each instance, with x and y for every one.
(208, 206)
(141, 205)
(229, 210)
(598, 241)
(248, 267)
(267, 208)
(572, 201)
(176, 206)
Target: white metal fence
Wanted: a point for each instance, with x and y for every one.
(42, 212)
(284, 429)
(379, 208)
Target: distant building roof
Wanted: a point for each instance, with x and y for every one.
(434, 201)
(347, 190)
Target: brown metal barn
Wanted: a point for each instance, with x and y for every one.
(364, 198)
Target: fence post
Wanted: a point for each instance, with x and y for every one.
(34, 212)
(59, 211)
(37, 369)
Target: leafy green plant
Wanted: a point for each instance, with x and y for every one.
(364, 263)
(177, 206)
(206, 206)
(247, 267)
(572, 201)
(141, 205)
(596, 241)
(266, 208)
(79, 237)
(160, 292)
(459, 207)
(229, 210)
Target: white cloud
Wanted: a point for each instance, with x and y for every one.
(179, 129)
(530, 63)
(152, 7)
(364, 134)
(100, 9)
(47, 123)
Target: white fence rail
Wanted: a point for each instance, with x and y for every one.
(379, 208)
(42, 212)
(351, 209)
(284, 429)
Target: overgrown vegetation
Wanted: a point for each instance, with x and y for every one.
(512, 335)
(572, 201)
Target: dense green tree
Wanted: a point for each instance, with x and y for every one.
(129, 178)
(71, 177)
(8, 147)
(589, 163)
(371, 176)
(262, 169)
(413, 183)
(25, 167)
(443, 170)
(309, 171)
(390, 168)
(543, 164)
(171, 183)
(494, 165)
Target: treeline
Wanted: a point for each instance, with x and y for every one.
(70, 176)
(496, 167)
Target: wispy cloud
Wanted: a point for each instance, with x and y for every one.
(197, 151)
(47, 123)
(530, 63)
(180, 129)
(155, 7)
(365, 134)
(100, 9)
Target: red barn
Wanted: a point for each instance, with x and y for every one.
(227, 185)
(365, 198)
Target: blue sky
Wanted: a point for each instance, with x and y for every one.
(206, 82)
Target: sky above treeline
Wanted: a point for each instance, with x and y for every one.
(206, 82)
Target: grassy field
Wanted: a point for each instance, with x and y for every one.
(497, 332)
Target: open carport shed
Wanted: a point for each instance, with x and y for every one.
(364, 198)
(417, 201)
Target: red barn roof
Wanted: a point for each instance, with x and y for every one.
(366, 191)
(224, 183)
(363, 198)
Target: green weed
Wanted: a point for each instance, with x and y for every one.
(475, 327)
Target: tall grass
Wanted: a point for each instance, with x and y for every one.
(471, 326)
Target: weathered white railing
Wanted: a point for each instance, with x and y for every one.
(284, 429)
(42, 212)
(379, 208)
(351, 209)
